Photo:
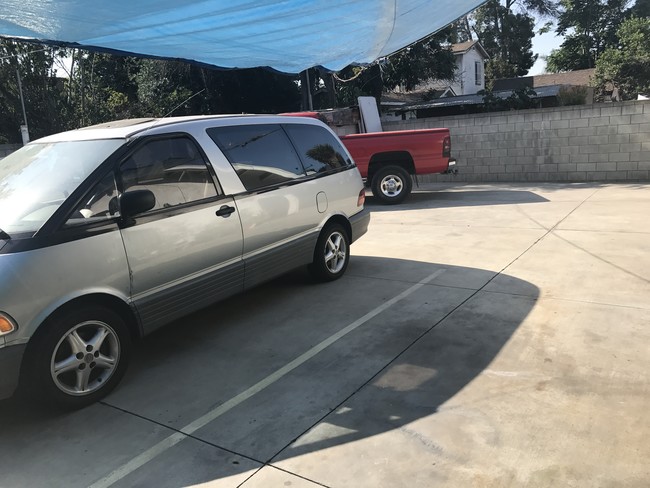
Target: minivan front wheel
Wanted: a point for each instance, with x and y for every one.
(80, 357)
(332, 254)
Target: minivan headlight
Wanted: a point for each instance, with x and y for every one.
(7, 324)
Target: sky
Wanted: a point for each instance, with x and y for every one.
(543, 45)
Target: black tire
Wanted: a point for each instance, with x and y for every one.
(333, 239)
(391, 184)
(106, 346)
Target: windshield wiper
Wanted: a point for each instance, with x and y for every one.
(4, 235)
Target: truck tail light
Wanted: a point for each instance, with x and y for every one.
(362, 198)
(446, 147)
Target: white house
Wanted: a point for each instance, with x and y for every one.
(470, 75)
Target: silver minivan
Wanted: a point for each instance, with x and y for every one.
(109, 232)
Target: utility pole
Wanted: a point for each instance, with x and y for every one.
(24, 130)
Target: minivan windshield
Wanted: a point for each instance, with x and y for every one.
(36, 179)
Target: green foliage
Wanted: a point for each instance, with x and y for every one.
(589, 27)
(520, 99)
(428, 59)
(507, 36)
(627, 66)
(89, 88)
(573, 95)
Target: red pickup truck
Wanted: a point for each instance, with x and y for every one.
(388, 160)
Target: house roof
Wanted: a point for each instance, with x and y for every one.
(543, 92)
(464, 47)
(577, 78)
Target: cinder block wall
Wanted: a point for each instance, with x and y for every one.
(604, 142)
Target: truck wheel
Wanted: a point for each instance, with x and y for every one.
(331, 255)
(79, 358)
(391, 184)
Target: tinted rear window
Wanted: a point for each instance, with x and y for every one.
(262, 155)
(319, 149)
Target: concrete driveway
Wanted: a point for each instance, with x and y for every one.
(483, 336)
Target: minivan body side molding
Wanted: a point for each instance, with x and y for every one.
(158, 309)
(264, 266)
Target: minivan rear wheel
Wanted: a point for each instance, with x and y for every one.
(332, 254)
(79, 357)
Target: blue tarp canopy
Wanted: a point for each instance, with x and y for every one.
(288, 35)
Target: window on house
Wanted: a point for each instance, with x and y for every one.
(478, 70)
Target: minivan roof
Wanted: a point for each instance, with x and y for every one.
(121, 129)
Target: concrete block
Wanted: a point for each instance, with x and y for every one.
(526, 126)
(577, 176)
(599, 158)
(628, 129)
(619, 157)
(646, 107)
(497, 168)
(514, 168)
(506, 127)
(570, 150)
(631, 147)
(642, 157)
(645, 146)
(458, 131)
(516, 119)
(631, 109)
(622, 166)
(612, 110)
(489, 129)
(640, 119)
(597, 176)
(598, 121)
(594, 140)
(560, 124)
(639, 137)
(587, 131)
(533, 117)
(567, 167)
(552, 115)
(579, 123)
(516, 152)
(616, 176)
(620, 120)
(590, 113)
(587, 149)
(579, 141)
(498, 153)
(609, 148)
(607, 130)
(570, 114)
(586, 167)
(606, 166)
(644, 128)
(619, 139)
(638, 175)
(500, 119)
(580, 158)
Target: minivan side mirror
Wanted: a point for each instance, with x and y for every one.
(135, 202)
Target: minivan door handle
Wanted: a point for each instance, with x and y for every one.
(225, 211)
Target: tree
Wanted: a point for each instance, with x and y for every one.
(589, 27)
(627, 66)
(41, 91)
(506, 29)
(428, 59)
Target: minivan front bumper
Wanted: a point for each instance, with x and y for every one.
(10, 359)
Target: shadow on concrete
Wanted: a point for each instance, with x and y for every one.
(420, 199)
(416, 356)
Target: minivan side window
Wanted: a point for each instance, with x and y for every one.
(99, 204)
(262, 155)
(319, 149)
(173, 169)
